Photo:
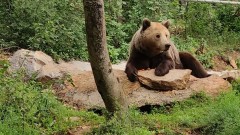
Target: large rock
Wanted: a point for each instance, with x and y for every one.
(48, 72)
(84, 95)
(74, 67)
(39, 63)
(229, 75)
(32, 61)
(176, 79)
(212, 85)
(82, 92)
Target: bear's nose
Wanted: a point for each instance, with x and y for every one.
(167, 46)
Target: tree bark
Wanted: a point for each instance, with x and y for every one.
(107, 84)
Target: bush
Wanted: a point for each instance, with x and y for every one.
(55, 27)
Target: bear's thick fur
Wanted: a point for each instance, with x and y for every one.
(151, 47)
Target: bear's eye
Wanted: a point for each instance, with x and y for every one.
(157, 36)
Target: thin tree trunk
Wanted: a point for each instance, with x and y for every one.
(108, 85)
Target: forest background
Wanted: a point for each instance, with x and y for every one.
(57, 26)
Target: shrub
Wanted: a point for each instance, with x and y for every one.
(56, 26)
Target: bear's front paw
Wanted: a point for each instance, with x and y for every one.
(161, 71)
(132, 76)
(131, 73)
(163, 68)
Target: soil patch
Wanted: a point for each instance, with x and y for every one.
(221, 61)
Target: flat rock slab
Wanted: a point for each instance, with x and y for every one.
(176, 79)
(84, 94)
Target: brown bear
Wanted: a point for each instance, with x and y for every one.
(151, 47)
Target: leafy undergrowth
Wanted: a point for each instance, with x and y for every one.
(28, 107)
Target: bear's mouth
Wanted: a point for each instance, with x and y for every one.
(166, 49)
(161, 50)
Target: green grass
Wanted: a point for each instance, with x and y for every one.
(198, 114)
(28, 107)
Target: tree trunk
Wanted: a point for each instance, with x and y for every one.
(107, 84)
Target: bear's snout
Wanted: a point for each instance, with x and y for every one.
(167, 46)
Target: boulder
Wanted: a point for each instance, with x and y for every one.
(31, 61)
(39, 63)
(83, 93)
(48, 72)
(212, 85)
(74, 67)
(176, 79)
(229, 75)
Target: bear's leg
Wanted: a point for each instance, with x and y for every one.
(164, 67)
(189, 62)
(132, 67)
(131, 72)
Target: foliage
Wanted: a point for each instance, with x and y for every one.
(206, 59)
(57, 26)
(116, 36)
(52, 26)
(191, 45)
(236, 85)
(28, 107)
(216, 23)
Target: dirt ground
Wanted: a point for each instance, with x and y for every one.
(221, 62)
(4, 56)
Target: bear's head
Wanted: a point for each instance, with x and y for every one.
(154, 37)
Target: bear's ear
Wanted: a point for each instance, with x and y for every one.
(166, 23)
(145, 24)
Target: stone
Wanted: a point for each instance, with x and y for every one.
(176, 79)
(77, 67)
(31, 61)
(212, 85)
(120, 66)
(232, 62)
(229, 75)
(84, 94)
(49, 72)
(74, 67)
